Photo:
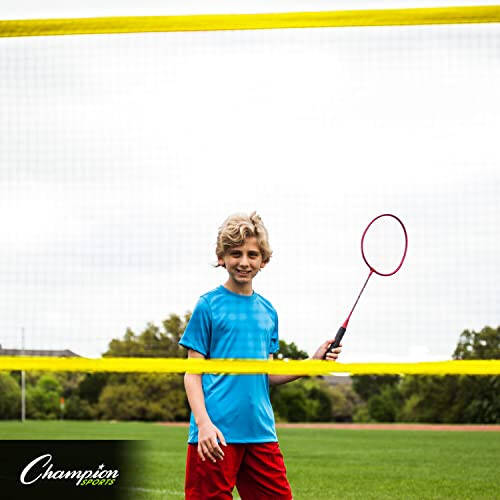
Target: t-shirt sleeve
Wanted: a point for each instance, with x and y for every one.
(198, 331)
(274, 346)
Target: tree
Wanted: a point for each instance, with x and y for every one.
(386, 405)
(79, 409)
(314, 400)
(367, 386)
(152, 341)
(10, 397)
(42, 400)
(292, 403)
(458, 399)
(310, 399)
(136, 396)
(144, 397)
(91, 386)
(477, 396)
(479, 345)
(289, 351)
(344, 402)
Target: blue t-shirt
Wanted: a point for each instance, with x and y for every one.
(225, 324)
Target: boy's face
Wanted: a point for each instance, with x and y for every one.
(243, 262)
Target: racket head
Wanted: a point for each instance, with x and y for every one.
(363, 253)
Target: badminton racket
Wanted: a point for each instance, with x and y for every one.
(376, 267)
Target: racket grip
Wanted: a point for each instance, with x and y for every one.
(336, 342)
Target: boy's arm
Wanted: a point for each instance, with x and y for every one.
(281, 379)
(320, 352)
(207, 432)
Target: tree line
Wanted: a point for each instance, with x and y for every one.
(161, 397)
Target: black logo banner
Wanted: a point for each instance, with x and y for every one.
(69, 470)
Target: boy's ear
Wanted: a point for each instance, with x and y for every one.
(263, 264)
(221, 262)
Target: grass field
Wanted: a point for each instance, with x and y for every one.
(321, 463)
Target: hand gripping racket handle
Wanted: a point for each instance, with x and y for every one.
(336, 342)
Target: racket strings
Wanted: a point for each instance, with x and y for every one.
(384, 245)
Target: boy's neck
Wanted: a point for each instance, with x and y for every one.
(239, 288)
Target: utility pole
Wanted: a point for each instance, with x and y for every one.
(23, 382)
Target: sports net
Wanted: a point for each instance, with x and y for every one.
(121, 155)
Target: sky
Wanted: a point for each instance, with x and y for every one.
(121, 155)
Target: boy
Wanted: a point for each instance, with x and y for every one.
(232, 437)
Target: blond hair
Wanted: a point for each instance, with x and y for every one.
(237, 228)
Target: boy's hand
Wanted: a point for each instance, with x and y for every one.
(207, 442)
(331, 356)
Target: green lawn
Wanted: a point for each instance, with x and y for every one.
(321, 464)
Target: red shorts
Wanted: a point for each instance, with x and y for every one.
(257, 470)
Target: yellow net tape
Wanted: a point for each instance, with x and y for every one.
(331, 19)
(242, 366)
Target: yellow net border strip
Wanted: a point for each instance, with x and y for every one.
(215, 22)
(244, 366)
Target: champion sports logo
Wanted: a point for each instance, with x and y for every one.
(41, 468)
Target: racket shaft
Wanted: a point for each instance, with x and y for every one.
(337, 340)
